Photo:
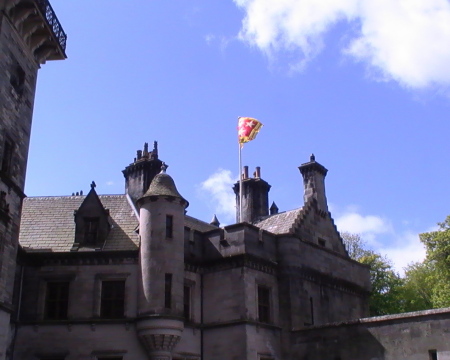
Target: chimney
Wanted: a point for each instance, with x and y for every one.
(255, 197)
(139, 174)
(314, 182)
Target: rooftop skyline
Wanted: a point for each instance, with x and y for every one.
(364, 89)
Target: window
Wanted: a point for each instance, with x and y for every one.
(169, 226)
(263, 304)
(17, 79)
(432, 354)
(168, 291)
(311, 313)
(91, 230)
(57, 300)
(8, 148)
(322, 242)
(112, 299)
(187, 302)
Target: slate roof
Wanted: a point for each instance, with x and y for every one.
(281, 223)
(48, 223)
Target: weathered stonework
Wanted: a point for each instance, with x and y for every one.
(24, 45)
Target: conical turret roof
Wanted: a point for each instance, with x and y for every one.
(163, 185)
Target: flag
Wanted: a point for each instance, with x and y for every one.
(248, 128)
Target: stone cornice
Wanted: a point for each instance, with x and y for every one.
(79, 258)
(329, 281)
(238, 261)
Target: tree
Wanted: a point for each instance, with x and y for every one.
(356, 247)
(437, 244)
(418, 285)
(385, 296)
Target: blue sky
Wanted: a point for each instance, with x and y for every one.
(366, 89)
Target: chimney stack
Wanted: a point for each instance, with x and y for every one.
(255, 197)
(314, 182)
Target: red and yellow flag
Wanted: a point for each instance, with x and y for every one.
(248, 128)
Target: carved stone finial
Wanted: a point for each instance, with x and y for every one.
(163, 168)
(93, 185)
(312, 158)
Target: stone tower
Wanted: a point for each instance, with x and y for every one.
(30, 34)
(255, 197)
(140, 173)
(161, 227)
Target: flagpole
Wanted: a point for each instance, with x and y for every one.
(240, 182)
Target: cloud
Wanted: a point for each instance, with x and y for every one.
(402, 40)
(368, 226)
(218, 190)
(110, 183)
(406, 249)
(401, 247)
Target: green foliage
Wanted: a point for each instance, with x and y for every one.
(425, 285)
(437, 244)
(418, 285)
(386, 285)
(385, 297)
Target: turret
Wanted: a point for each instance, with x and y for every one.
(161, 227)
(255, 197)
(140, 173)
(314, 182)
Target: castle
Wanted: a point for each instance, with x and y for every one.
(133, 276)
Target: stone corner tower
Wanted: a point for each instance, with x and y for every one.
(30, 35)
(161, 226)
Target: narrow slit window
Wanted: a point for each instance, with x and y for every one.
(168, 291)
(169, 226)
(187, 302)
(8, 149)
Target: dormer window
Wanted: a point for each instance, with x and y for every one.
(91, 230)
(92, 224)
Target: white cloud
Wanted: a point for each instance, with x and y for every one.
(404, 40)
(218, 187)
(110, 183)
(401, 247)
(406, 249)
(368, 226)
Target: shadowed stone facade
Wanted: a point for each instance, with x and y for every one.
(30, 35)
(134, 277)
(109, 277)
